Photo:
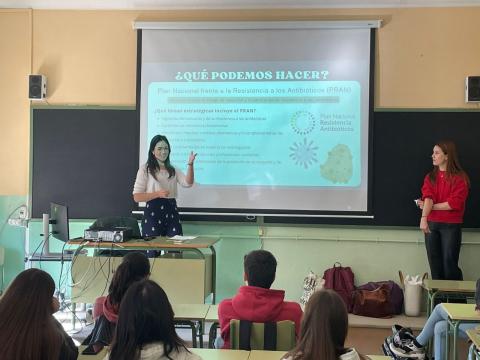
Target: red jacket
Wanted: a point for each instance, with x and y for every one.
(258, 305)
(453, 190)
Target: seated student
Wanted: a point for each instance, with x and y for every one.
(404, 344)
(324, 330)
(134, 267)
(145, 328)
(28, 330)
(256, 302)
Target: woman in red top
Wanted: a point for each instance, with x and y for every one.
(444, 192)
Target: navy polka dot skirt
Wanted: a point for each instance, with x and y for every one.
(160, 218)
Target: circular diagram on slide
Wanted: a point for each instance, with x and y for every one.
(304, 153)
(302, 122)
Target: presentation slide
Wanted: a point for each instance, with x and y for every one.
(279, 125)
(255, 132)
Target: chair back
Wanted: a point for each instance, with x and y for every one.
(247, 335)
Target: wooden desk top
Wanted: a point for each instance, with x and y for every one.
(218, 354)
(474, 335)
(206, 354)
(266, 355)
(465, 312)
(98, 356)
(190, 311)
(413, 322)
(449, 285)
(212, 314)
(158, 242)
(277, 355)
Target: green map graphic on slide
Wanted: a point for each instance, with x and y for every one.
(338, 167)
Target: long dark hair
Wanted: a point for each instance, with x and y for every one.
(324, 328)
(145, 317)
(152, 163)
(27, 327)
(453, 164)
(134, 267)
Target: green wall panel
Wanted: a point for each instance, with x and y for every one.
(12, 238)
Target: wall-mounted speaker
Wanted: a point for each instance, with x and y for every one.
(37, 87)
(472, 89)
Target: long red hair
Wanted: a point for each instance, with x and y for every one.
(453, 164)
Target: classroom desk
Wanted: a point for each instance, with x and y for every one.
(446, 287)
(192, 316)
(212, 316)
(266, 355)
(214, 354)
(98, 356)
(458, 314)
(277, 355)
(187, 279)
(205, 354)
(474, 336)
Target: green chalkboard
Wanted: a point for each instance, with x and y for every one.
(85, 158)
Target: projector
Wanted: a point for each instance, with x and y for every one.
(118, 234)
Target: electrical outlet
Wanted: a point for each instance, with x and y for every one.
(23, 212)
(261, 231)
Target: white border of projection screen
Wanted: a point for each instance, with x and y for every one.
(277, 112)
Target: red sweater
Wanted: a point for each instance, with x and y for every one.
(257, 305)
(103, 306)
(453, 190)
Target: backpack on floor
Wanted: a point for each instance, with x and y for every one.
(373, 303)
(395, 296)
(341, 279)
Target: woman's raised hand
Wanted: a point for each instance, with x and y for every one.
(191, 158)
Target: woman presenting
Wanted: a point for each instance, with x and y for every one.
(444, 193)
(156, 184)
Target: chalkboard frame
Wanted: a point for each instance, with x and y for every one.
(402, 144)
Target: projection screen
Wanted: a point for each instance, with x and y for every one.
(278, 113)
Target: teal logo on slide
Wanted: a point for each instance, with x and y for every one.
(304, 153)
(302, 122)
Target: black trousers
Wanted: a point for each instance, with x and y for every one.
(443, 249)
